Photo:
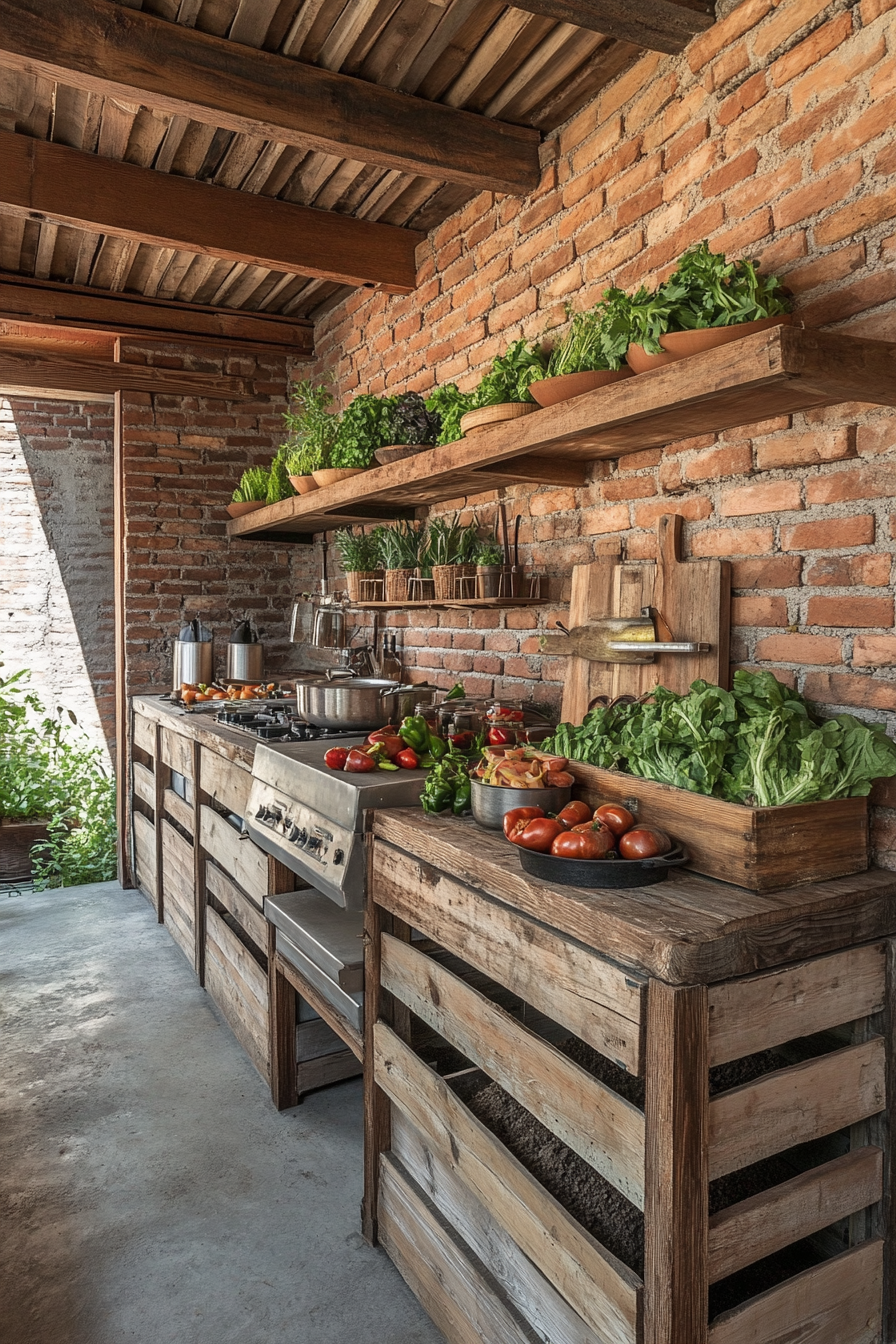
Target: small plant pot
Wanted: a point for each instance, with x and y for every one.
(16, 840)
(244, 507)
(303, 485)
(332, 475)
(486, 416)
(397, 584)
(681, 344)
(359, 577)
(447, 580)
(639, 360)
(488, 580)
(395, 452)
(551, 391)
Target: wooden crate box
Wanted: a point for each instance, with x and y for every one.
(795, 1157)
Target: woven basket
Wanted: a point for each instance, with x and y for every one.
(16, 839)
(445, 578)
(354, 580)
(397, 584)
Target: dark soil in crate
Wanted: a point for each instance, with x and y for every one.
(597, 1204)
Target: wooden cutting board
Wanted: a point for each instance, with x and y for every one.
(693, 596)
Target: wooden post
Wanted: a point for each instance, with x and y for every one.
(377, 1108)
(162, 777)
(676, 1203)
(282, 1002)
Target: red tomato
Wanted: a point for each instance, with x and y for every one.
(499, 737)
(516, 818)
(407, 759)
(618, 818)
(584, 842)
(359, 762)
(336, 758)
(573, 814)
(644, 842)
(539, 834)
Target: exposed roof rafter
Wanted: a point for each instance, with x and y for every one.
(658, 25)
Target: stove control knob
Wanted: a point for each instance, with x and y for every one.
(298, 835)
(339, 856)
(263, 815)
(314, 843)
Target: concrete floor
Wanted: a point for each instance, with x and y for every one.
(151, 1193)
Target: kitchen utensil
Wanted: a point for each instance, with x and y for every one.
(354, 702)
(618, 639)
(328, 625)
(245, 662)
(600, 872)
(515, 574)
(505, 538)
(491, 801)
(193, 656)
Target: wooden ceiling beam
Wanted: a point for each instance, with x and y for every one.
(42, 179)
(123, 53)
(49, 304)
(26, 371)
(658, 25)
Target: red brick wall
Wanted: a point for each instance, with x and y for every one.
(182, 457)
(56, 575)
(773, 136)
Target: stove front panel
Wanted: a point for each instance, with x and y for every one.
(323, 853)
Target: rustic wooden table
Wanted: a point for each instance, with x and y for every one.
(667, 982)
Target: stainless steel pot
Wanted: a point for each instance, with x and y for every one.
(192, 662)
(491, 801)
(347, 702)
(245, 662)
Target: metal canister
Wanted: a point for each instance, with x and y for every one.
(193, 662)
(245, 662)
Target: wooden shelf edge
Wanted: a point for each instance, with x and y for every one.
(488, 603)
(776, 371)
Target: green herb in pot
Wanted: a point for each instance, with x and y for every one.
(312, 428)
(582, 348)
(449, 404)
(359, 552)
(400, 545)
(411, 422)
(489, 553)
(253, 486)
(510, 375)
(279, 484)
(363, 427)
(450, 544)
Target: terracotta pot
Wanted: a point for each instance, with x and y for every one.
(684, 343)
(16, 839)
(550, 391)
(639, 360)
(474, 421)
(331, 475)
(303, 484)
(246, 506)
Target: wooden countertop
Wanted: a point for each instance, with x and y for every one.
(232, 745)
(686, 930)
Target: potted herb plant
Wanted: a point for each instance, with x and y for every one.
(359, 553)
(450, 550)
(450, 405)
(412, 428)
(489, 558)
(583, 360)
(279, 484)
(251, 493)
(706, 302)
(503, 394)
(312, 428)
(363, 427)
(399, 557)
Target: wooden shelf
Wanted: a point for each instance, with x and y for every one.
(490, 603)
(774, 372)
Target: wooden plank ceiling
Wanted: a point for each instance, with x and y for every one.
(520, 66)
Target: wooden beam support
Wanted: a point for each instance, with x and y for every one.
(41, 179)
(50, 304)
(123, 53)
(658, 25)
(28, 370)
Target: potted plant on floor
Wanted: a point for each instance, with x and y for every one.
(251, 493)
(312, 429)
(359, 553)
(411, 428)
(363, 428)
(586, 358)
(503, 394)
(399, 557)
(706, 302)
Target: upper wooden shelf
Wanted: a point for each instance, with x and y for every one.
(774, 372)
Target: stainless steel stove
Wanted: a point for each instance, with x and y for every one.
(272, 722)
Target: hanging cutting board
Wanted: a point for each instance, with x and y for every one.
(692, 596)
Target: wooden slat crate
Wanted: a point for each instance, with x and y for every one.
(239, 986)
(496, 1257)
(237, 855)
(760, 848)
(179, 890)
(145, 856)
(226, 783)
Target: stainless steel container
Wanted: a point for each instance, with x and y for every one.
(352, 702)
(245, 662)
(193, 662)
(491, 801)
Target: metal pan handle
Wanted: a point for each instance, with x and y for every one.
(667, 861)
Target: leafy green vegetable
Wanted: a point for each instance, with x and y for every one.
(253, 485)
(706, 290)
(363, 427)
(757, 744)
(312, 428)
(449, 404)
(510, 375)
(411, 422)
(358, 551)
(582, 349)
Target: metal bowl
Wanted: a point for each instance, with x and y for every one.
(600, 872)
(491, 801)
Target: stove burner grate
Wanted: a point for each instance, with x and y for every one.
(277, 725)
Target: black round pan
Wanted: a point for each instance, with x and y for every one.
(601, 872)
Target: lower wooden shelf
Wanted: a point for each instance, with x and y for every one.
(493, 604)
